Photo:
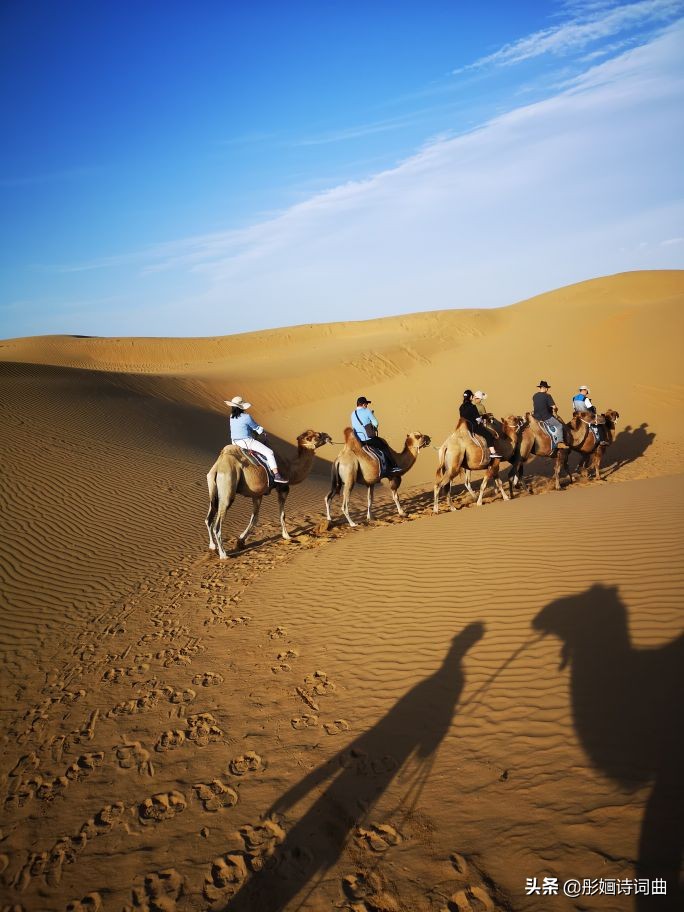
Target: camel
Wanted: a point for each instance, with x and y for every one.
(581, 439)
(234, 473)
(354, 464)
(508, 444)
(534, 441)
(463, 451)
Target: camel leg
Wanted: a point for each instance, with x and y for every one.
(561, 462)
(371, 489)
(282, 497)
(394, 488)
(256, 506)
(441, 482)
(346, 493)
(225, 490)
(213, 507)
(334, 490)
(502, 490)
(468, 485)
(484, 485)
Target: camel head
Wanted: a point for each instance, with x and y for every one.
(417, 441)
(511, 426)
(593, 620)
(611, 417)
(312, 440)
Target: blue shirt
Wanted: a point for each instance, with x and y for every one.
(361, 416)
(241, 427)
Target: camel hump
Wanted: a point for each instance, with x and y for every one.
(351, 440)
(234, 452)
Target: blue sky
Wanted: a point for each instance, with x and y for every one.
(193, 169)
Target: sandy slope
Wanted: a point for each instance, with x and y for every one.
(463, 766)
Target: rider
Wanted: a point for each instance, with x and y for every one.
(475, 420)
(581, 401)
(478, 399)
(545, 409)
(365, 427)
(242, 428)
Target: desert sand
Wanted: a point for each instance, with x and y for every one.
(415, 714)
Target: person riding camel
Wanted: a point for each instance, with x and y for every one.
(242, 429)
(545, 409)
(475, 420)
(478, 400)
(581, 401)
(365, 427)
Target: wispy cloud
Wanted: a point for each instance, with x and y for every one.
(553, 192)
(592, 23)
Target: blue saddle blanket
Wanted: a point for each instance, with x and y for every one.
(554, 432)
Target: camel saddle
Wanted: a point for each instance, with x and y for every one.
(385, 469)
(555, 433)
(259, 461)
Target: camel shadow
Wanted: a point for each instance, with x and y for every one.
(629, 445)
(359, 774)
(625, 704)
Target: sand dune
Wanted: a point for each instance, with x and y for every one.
(365, 719)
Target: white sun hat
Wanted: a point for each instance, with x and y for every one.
(480, 395)
(238, 402)
(583, 386)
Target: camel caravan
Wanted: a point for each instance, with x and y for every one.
(478, 443)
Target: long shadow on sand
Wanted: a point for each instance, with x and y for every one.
(360, 774)
(626, 705)
(629, 445)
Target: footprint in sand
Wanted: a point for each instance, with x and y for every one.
(161, 807)
(471, 899)
(215, 795)
(261, 841)
(319, 684)
(305, 721)
(181, 696)
(367, 893)
(228, 873)
(378, 838)
(365, 765)
(170, 740)
(203, 729)
(107, 819)
(277, 633)
(158, 892)
(287, 654)
(246, 763)
(91, 902)
(84, 765)
(336, 727)
(207, 679)
(134, 756)
(282, 666)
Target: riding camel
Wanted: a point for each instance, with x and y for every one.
(534, 441)
(467, 452)
(354, 464)
(508, 444)
(582, 440)
(234, 473)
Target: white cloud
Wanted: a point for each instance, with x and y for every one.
(596, 22)
(548, 194)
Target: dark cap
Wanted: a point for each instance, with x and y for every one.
(362, 401)
(544, 383)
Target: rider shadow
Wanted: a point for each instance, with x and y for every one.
(625, 703)
(629, 445)
(360, 774)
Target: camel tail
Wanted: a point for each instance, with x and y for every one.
(335, 480)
